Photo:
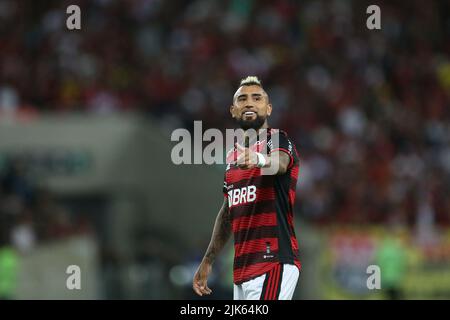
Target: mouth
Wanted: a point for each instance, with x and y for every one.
(249, 114)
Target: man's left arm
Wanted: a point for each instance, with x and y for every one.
(278, 159)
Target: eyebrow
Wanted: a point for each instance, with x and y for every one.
(245, 94)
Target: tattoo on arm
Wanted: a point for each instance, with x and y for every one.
(221, 233)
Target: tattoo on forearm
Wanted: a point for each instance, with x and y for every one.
(220, 236)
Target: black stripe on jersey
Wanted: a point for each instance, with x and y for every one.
(255, 233)
(267, 284)
(285, 251)
(252, 208)
(255, 257)
(291, 226)
(278, 282)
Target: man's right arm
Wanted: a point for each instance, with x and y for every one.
(221, 234)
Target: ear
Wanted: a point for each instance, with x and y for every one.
(269, 109)
(232, 110)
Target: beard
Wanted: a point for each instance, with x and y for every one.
(252, 124)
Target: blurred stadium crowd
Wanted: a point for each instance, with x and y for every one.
(369, 110)
(30, 214)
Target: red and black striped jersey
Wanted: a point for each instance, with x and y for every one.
(261, 211)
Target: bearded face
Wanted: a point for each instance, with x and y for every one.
(251, 107)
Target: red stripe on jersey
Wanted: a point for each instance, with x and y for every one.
(269, 284)
(236, 174)
(273, 289)
(277, 282)
(294, 172)
(243, 274)
(257, 245)
(252, 208)
(290, 218)
(294, 243)
(257, 220)
(291, 197)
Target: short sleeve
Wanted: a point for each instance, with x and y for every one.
(279, 141)
(225, 185)
(225, 189)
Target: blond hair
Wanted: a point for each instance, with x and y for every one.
(250, 81)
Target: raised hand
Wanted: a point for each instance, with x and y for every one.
(246, 158)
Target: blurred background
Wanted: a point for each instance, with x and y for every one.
(85, 121)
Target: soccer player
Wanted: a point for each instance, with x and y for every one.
(258, 208)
